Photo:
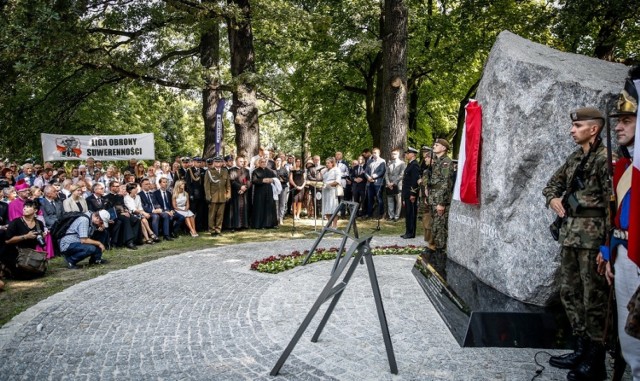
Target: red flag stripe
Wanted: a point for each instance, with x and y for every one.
(470, 180)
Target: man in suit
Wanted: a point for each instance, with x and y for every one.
(129, 224)
(410, 192)
(150, 206)
(163, 198)
(393, 178)
(358, 182)
(374, 171)
(97, 202)
(51, 207)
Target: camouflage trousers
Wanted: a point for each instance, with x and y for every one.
(583, 292)
(436, 238)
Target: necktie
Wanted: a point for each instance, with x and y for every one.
(164, 201)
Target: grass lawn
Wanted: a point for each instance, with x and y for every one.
(20, 295)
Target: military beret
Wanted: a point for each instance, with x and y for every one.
(443, 142)
(412, 150)
(586, 113)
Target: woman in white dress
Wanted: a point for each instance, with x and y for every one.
(330, 179)
(134, 205)
(180, 201)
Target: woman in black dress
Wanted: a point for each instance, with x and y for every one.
(297, 182)
(264, 205)
(23, 232)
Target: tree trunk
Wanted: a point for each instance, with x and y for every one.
(609, 29)
(373, 98)
(412, 90)
(244, 108)
(394, 103)
(210, 59)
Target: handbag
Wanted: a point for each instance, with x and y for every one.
(339, 190)
(32, 261)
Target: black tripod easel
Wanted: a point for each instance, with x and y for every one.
(362, 250)
(352, 207)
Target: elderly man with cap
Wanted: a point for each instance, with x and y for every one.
(410, 190)
(15, 207)
(627, 272)
(583, 178)
(217, 188)
(77, 243)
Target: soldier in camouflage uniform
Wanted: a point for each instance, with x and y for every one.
(619, 253)
(438, 192)
(582, 290)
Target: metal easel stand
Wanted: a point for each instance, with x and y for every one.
(362, 250)
(352, 206)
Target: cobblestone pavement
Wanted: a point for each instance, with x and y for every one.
(205, 316)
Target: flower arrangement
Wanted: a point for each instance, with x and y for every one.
(282, 262)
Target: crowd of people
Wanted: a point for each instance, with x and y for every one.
(140, 205)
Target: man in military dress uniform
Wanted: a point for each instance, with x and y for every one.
(438, 193)
(217, 189)
(582, 290)
(410, 189)
(627, 272)
(185, 163)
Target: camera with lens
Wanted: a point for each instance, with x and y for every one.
(40, 239)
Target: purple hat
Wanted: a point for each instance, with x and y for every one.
(21, 185)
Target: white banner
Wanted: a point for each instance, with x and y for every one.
(99, 147)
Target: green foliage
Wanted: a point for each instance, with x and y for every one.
(126, 66)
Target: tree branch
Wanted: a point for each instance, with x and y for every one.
(175, 53)
(146, 78)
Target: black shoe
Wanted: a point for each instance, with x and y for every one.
(71, 266)
(592, 367)
(99, 262)
(174, 235)
(154, 238)
(571, 360)
(214, 233)
(131, 246)
(168, 238)
(403, 236)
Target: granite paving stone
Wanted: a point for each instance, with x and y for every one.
(205, 315)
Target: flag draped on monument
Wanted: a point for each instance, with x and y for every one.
(634, 215)
(467, 187)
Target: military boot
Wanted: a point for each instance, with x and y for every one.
(571, 360)
(592, 367)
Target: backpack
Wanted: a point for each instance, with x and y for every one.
(60, 227)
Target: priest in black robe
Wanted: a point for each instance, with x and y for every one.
(264, 206)
(237, 216)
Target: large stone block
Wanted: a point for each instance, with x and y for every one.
(527, 91)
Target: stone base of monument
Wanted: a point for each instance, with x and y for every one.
(480, 316)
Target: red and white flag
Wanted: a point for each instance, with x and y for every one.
(467, 187)
(634, 213)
